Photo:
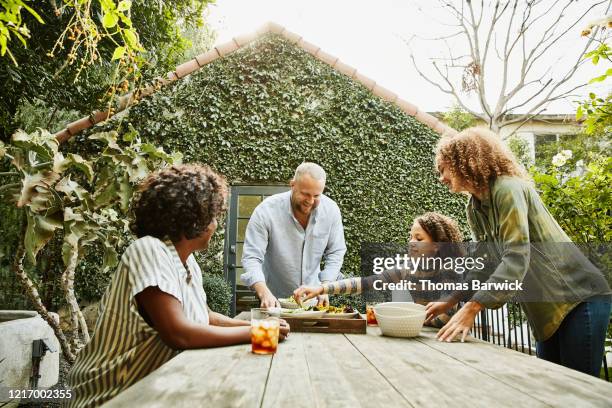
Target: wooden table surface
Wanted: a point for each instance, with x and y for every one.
(352, 370)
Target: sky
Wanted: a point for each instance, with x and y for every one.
(379, 37)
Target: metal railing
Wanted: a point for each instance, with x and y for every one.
(509, 327)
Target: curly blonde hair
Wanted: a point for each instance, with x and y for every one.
(477, 156)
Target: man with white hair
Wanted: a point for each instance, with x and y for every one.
(288, 236)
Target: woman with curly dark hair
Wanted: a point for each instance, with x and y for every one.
(432, 235)
(566, 299)
(155, 305)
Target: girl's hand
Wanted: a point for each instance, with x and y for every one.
(306, 292)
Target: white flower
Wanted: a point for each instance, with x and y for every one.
(559, 160)
(580, 163)
(567, 153)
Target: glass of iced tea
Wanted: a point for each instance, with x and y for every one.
(265, 330)
(370, 316)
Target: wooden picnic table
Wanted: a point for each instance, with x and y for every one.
(351, 370)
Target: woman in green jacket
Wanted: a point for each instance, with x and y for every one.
(565, 298)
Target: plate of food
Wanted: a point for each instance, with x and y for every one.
(290, 303)
(302, 313)
(341, 312)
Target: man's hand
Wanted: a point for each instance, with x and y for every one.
(307, 292)
(266, 298)
(460, 323)
(323, 300)
(284, 330)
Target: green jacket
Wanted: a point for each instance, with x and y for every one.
(527, 244)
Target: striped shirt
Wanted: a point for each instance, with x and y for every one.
(124, 348)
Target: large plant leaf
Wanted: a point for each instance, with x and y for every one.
(78, 231)
(125, 193)
(39, 231)
(71, 189)
(61, 164)
(37, 183)
(41, 141)
(109, 138)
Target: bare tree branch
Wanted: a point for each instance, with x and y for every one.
(532, 30)
(452, 91)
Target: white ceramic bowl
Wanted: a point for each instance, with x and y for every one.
(400, 321)
(410, 306)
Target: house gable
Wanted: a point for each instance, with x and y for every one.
(238, 42)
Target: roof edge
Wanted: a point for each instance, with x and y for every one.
(221, 50)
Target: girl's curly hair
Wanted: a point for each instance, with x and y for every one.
(178, 201)
(477, 156)
(442, 229)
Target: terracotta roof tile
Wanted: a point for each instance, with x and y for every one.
(441, 127)
(345, 69)
(275, 28)
(291, 37)
(187, 68)
(207, 57)
(63, 135)
(427, 119)
(384, 93)
(326, 58)
(262, 30)
(231, 46)
(365, 81)
(407, 107)
(227, 48)
(244, 39)
(78, 125)
(308, 47)
(125, 101)
(99, 116)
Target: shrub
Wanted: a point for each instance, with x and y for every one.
(218, 293)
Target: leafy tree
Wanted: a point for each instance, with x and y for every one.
(500, 55)
(88, 51)
(520, 148)
(85, 202)
(597, 111)
(458, 118)
(585, 148)
(581, 204)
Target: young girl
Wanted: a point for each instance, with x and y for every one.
(428, 234)
(568, 305)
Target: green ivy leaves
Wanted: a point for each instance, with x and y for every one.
(259, 112)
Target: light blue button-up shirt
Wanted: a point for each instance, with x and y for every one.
(280, 252)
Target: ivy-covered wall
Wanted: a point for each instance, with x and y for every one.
(259, 112)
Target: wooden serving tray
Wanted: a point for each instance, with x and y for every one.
(355, 325)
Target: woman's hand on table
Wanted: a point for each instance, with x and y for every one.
(284, 329)
(460, 323)
(433, 309)
(308, 292)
